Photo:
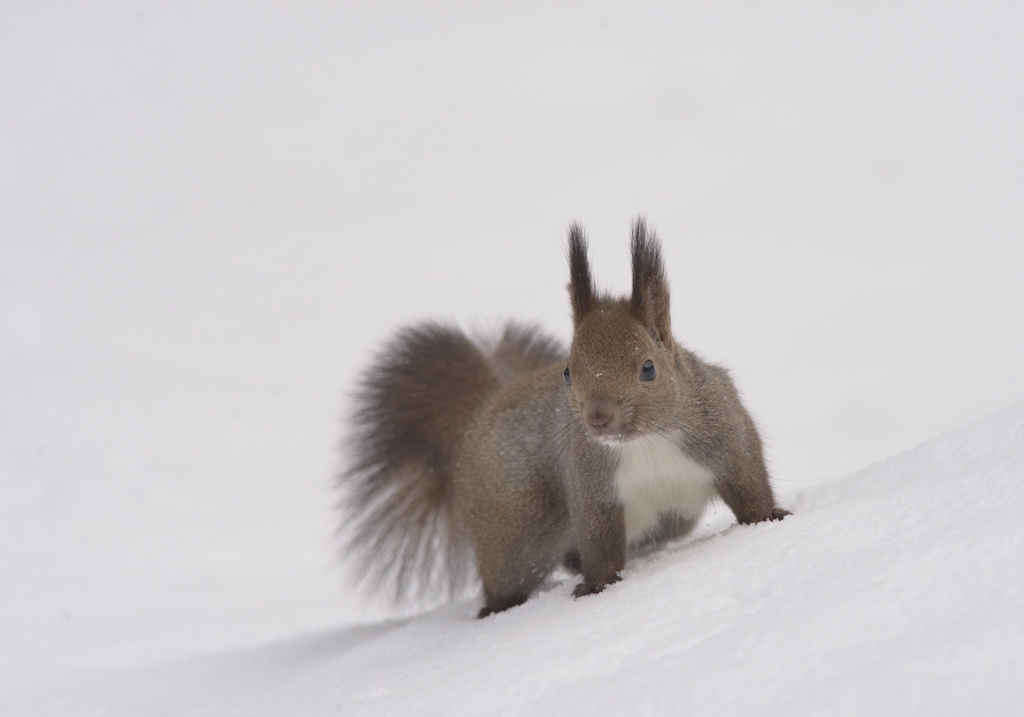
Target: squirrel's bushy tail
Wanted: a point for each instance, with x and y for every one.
(413, 404)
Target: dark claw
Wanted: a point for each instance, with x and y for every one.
(776, 514)
(501, 605)
(591, 589)
(586, 589)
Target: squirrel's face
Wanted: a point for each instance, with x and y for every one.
(620, 379)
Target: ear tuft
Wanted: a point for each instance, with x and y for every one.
(650, 301)
(581, 285)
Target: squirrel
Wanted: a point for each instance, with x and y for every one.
(503, 458)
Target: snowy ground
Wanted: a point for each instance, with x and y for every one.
(893, 591)
(211, 213)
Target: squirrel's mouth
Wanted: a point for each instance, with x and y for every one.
(612, 439)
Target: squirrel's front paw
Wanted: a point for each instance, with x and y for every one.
(775, 514)
(586, 589)
(592, 588)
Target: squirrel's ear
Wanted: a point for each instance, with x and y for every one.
(649, 302)
(581, 285)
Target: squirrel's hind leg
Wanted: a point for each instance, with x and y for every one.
(513, 562)
(494, 605)
(513, 585)
(510, 575)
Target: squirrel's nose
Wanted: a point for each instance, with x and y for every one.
(598, 418)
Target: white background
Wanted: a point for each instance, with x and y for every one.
(211, 214)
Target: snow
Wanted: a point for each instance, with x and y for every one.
(895, 590)
(211, 214)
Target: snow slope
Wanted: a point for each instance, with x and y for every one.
(896, 590)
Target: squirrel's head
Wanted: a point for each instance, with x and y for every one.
(621, 374)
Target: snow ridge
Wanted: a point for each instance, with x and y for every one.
(895, 590)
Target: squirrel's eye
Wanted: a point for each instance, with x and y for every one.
(647, 373)
(565, 375)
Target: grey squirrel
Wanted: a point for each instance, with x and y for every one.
(508, 457)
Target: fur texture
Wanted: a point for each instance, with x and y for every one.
(414, 402)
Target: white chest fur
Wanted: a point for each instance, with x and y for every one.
(656, 477)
